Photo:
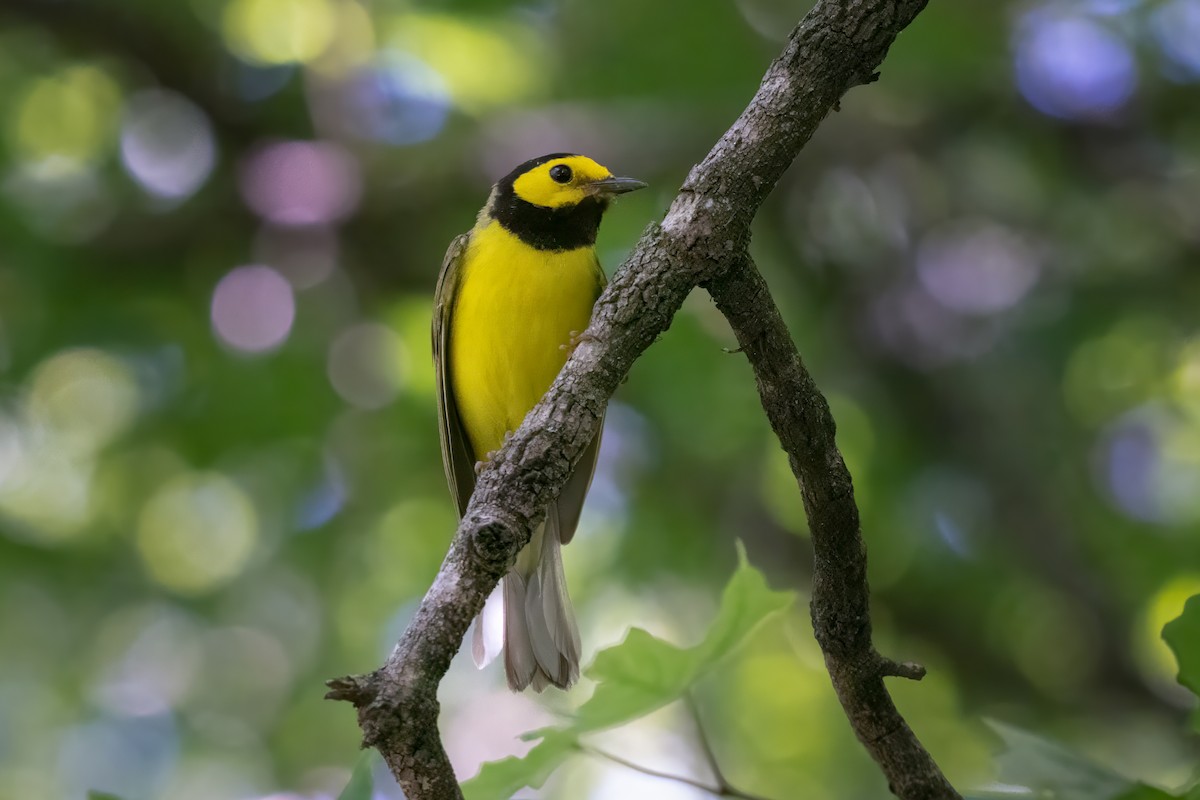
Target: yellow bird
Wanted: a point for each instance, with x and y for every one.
(512, 294)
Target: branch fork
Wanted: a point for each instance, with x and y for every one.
(701, 241)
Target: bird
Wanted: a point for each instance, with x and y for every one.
(512, 297)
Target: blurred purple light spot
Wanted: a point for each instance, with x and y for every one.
(399, 100)
(1176, 27)
(1073, 67)
(167, 144)
(1130, 457)
(301, 183)
(1111, 7)
(976, 267)
(253, 309)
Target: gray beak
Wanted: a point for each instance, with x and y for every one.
(610, 187)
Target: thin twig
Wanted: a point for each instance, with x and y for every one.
(723, 791)
(689, 700)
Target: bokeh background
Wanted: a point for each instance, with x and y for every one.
(220, 225)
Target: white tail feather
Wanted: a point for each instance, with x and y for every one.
(541, 637)
(487, 640)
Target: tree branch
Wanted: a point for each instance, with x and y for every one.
(800, 417)
(701, 240)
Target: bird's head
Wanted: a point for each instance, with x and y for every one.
(561, 180)
(555, 202)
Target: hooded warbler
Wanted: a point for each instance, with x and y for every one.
(511, 294)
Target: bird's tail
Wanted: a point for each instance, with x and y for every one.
(541, 638)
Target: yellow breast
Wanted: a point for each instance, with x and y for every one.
(514, 310)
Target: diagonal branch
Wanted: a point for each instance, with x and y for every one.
(837, 45)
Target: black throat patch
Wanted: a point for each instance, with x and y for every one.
(565, 228)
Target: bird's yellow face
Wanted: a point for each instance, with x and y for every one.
(554, 202)
(566, 181)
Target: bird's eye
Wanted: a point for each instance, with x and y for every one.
(560, 173)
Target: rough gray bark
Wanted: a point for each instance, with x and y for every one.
(840, 610)
(702, 240)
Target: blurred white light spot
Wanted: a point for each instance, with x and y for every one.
(128, 757)
(301, 183)
(1176, 26)
(197, 532)
(976, 267)
(306, 256)
(167, 144)
(1073, 67)
(366, 365)
(253, 309)
(151, 656)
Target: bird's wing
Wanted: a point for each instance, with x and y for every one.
(570, 500)
(456, 449)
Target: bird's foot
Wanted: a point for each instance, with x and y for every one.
(575, 339)
(491, 454)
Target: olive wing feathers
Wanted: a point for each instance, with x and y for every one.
(456, 449)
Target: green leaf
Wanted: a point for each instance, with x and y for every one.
(1046, 766)
(643, 673)
(1144, 792)
(635, 677)
(95, 795)
(362, 782)
(500, 780)
(1182, 634)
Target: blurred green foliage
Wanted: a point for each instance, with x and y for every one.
(220, 224)
(635, 678)
(1183, 637)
